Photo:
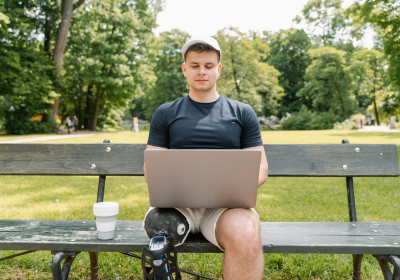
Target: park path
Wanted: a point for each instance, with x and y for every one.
(375, 128)
(54, 137)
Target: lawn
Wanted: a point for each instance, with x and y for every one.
(280, 199)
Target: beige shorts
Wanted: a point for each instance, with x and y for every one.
(202, 220)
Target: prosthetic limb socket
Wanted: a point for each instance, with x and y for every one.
(166, 227)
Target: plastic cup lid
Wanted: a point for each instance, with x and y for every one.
(106, 208)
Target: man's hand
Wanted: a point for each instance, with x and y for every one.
(150, 147)
(263, 176)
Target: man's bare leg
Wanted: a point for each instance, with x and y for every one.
(238, 233)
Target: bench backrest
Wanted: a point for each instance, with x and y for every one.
(107, 159)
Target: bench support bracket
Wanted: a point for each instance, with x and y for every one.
(351, 201)
(94, 265)
(384, 264)
(357, 260)
(58, 272)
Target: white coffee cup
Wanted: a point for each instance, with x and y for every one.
(106, 219)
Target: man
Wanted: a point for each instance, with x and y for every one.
(205, 119)
(76, 123)
(68, 123)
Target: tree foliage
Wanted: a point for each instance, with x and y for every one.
(289, 56)
(106, 65)
(170, 83)
(370, 81)
(328, 82)
(27, 76)
(384, 16)
(244, 76)
(113, 63)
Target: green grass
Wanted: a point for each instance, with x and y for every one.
(280, 199)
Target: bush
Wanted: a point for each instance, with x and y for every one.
(350, 123)
(17, 122)
(307, 120)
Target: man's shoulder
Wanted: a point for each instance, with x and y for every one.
(171, 105)
(240, 106)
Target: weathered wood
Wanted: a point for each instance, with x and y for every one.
(328, 160)
(71, 159)
(127, 160)
(325, 238)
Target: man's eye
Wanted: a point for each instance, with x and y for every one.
(208, 67)
(195, 66)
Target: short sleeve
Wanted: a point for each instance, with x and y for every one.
(251, 135)
(158, 135)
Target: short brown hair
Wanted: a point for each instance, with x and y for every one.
(201, 47)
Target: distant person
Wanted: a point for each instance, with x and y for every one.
(135, 127)
(373, 119)
(69, 124)
(368, 121)
(76, 123)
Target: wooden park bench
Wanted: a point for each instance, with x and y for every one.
(65, 239)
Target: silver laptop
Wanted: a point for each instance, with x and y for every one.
(203, 178)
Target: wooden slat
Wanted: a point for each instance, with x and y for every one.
(127, 159)
(326, 238)
(58, 235)
(71, 159)
(374, 160)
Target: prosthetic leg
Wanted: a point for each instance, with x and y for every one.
(166, 227)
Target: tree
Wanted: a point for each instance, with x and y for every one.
(384, 17)
(170, 83)
(328, 82)
(369, 77)
(106, 63)
(26, 76)
(327, 22)
(244, 76)
(67, 7)
(289, 56)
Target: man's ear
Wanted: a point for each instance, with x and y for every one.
(184, 69)
(219, 69)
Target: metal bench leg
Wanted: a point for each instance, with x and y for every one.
(384, 264)
(94, 265)
(396, 263)
(357, 260)
(58, 273)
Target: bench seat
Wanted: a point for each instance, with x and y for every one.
(277, 237)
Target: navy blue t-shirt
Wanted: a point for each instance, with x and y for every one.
(222, 124)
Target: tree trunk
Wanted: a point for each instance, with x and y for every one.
(47, 33)
(376, 111)
(96, 109)
(88, 109)
(67, 6)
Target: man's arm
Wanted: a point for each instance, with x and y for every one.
(263, 176)
(150, 147)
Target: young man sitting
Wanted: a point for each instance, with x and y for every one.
(205, 119)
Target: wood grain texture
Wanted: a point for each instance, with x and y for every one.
(375, 160)
(72, 159)
(326, 238)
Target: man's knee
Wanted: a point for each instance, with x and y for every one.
(239, 230)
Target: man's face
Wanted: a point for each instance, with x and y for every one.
(201, 70)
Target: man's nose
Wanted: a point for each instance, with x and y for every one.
(202, 70)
